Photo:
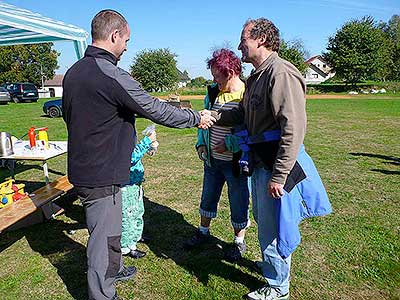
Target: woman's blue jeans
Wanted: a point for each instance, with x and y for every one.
(238, 192)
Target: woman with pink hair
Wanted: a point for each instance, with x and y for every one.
(220, 158)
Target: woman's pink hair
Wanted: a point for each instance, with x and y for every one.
(225, 61)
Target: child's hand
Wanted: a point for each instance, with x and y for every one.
(153, 136)
(153, 149)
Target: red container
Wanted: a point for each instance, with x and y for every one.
(32, 137)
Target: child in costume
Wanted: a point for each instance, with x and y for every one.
(132, 196)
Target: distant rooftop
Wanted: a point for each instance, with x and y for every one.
(56, 81)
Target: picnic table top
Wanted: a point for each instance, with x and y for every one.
(22, 151)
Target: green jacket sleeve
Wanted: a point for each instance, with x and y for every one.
(201, 132)
(232, 143)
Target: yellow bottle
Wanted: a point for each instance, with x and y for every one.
(42, 135)
(6, 193)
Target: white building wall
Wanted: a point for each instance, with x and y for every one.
(58, 90)
(313, 77)
(321, 65)
(182, 84)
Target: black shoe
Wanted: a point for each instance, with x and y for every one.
(235, 252)
(126, 273)
(135, 254)
(196, 240)
(144, 240)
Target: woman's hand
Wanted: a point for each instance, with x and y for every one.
(202, 152)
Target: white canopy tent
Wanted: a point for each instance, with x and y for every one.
(21, 26)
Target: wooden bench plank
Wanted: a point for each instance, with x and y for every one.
(16, 211)
(51, 191)
(12, 213)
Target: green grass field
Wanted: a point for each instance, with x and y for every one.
(351, 254)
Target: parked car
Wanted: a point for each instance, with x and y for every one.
(53, 108)
(24, 91)
(4, 96)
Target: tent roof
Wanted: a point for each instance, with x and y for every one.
(21, 26)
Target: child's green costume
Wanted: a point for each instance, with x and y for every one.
(132, 199)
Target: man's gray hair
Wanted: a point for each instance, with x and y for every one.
(265, 27)
(105, 22)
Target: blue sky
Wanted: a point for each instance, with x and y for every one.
(191, 29)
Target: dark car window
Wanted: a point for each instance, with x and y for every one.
(2, 89)
(28, 87)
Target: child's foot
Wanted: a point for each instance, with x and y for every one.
(144, 240)
(136, 254)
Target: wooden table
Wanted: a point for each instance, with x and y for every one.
(22, 151)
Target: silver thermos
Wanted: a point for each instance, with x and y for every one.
(6, 148)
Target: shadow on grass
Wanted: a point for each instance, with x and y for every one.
(387, 160)
(168, 230)
(20, 167)
(51, 241)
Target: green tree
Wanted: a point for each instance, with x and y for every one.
(198, 82)
(392, 31)
(359, 51)
(294, 51)
(155, 69)
(27, 63)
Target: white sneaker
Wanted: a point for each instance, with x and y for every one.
(248, 224)
(266, 293)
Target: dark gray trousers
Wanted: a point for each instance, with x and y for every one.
(103, 218)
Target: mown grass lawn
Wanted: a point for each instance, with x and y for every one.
(351, 254)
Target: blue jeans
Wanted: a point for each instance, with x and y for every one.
(238, 192)
(275, 270)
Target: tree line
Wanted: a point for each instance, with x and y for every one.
(28, 63)
(361, 50)
(364, 50)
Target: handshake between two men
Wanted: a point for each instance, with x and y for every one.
(208, 118)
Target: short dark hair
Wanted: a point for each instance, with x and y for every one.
(225, 61)
(263, 26)
(105, 22)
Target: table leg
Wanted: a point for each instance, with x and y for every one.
(46, 171)
(51, 210)
(12, 168)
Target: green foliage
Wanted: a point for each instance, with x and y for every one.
(294, 52)
(182, 91)
(392, 32)
(23, 63)
(198, 82)
(360, 51)
(335, 87)
(193, 91)
(155, 69)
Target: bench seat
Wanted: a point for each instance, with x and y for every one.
(16, 211)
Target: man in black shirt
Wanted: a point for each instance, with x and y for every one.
(100, 101)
